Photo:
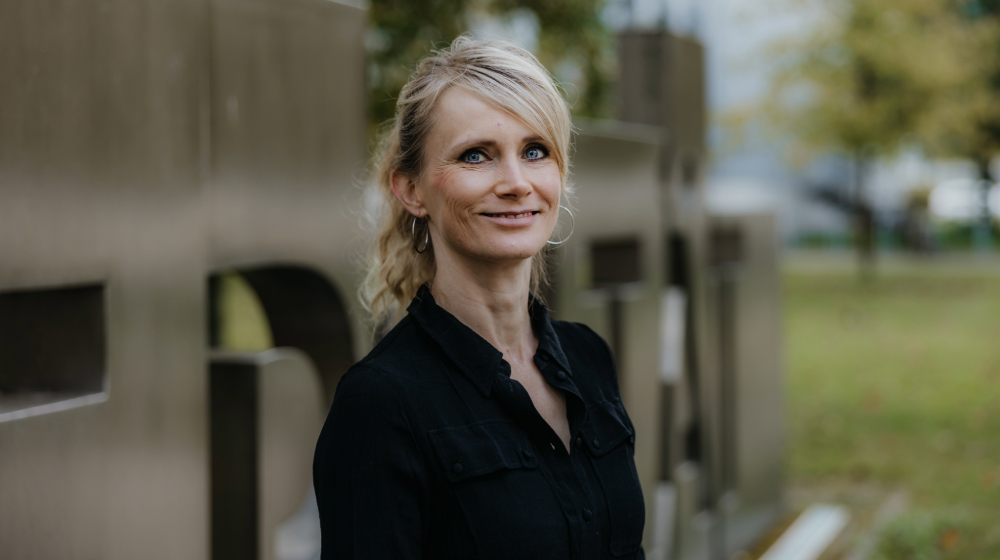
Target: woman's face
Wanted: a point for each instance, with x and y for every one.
(489, 184)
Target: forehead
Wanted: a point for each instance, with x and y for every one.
(461, 115)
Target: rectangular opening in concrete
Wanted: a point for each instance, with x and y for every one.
(52, 349)
(615, 262)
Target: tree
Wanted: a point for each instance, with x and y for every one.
(880, 74)
(569, 32)
(982, 143)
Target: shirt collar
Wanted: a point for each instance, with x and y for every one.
(473, 355)
(548, 342)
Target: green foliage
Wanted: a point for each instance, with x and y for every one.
(986, 143)
(961, 236)
(570, 33)
(919, 535)
(878, 74)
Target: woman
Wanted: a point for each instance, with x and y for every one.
(477, 427)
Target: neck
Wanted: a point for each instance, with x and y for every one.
(491, 299)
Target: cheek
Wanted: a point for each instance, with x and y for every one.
(455, 193)
(550, 188)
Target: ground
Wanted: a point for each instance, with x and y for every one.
(893, 389)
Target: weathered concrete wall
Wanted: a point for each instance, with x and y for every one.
(102, 179)
(288, 143)
(119, 164)
(617, 196)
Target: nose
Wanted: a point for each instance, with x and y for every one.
(512, 182)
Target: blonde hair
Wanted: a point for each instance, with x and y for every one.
(505, 76)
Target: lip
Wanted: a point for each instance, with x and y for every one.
(512, 217)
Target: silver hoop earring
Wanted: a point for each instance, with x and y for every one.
(572, 226)
(413, 235)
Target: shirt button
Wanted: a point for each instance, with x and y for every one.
(631, 439)
(457, 468)
(579, 442)
(587, 515)
(597, 442)
(561, 375)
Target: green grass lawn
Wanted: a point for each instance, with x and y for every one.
(895, 383)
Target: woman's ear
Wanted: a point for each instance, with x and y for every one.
(404, 188)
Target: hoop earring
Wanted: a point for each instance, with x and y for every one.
(572, 222)
(413, 236)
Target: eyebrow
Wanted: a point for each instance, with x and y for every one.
(492, 143)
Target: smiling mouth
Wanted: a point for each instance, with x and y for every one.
(511, 215)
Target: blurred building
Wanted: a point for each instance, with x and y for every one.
(750, 169)
(715, 471)
(156, 159)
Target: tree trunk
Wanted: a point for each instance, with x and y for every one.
(864, 219)
(983, 232)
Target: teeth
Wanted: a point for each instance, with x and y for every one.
(513, 216)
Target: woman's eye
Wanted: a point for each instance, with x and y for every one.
(535, 152)
(473, 156)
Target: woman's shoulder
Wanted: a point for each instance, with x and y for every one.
(376, 386)
(396, 349)
(387, 388)
(587, 352)
(394, 363)
(577, 339)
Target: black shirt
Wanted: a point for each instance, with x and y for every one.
(432, 451)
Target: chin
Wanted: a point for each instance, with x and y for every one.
(513, 252)
(498, 250)
(494, 246)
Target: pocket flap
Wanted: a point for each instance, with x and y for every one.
(464, 452)
(606, 427)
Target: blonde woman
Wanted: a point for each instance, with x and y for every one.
(478, 427)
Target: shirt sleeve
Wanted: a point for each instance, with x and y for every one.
(371, 484)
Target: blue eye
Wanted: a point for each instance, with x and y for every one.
(535, 152)
(473, 156)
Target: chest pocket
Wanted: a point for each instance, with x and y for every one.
(479, 449)
(492, 473)
(610, 444)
